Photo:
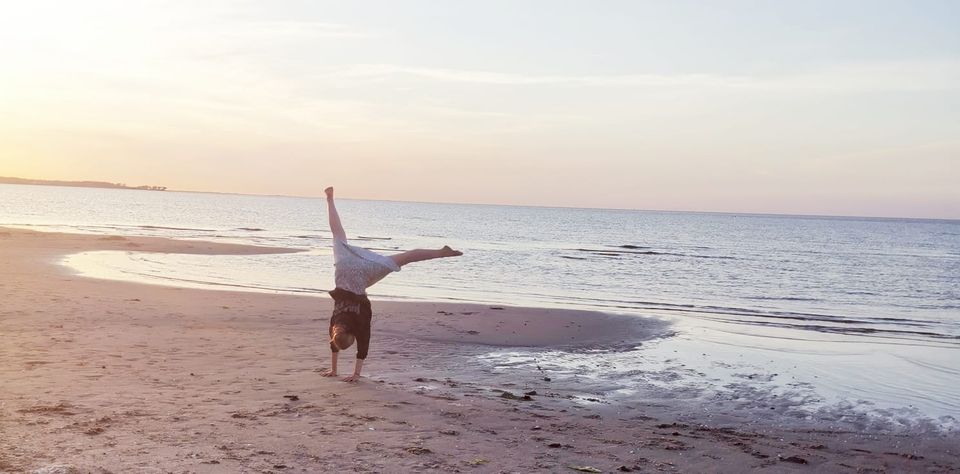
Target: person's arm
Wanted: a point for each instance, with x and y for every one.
(334, 352)
(332, 371)
(356, 372)
(363, 345)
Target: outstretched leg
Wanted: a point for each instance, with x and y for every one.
(335, 226)
(420, 255)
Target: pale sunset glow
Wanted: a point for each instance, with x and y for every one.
(838, 108)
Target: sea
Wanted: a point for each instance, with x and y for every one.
(851, 319)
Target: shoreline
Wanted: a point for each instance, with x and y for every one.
(771, 375)
(124, 376)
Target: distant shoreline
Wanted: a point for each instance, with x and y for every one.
(78, 184)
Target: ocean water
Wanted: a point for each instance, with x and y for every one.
(859, 311)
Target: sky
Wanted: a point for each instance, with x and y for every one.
(814, 107)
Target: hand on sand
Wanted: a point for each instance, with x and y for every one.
(329, 192)
(351, 378)
(328, 373)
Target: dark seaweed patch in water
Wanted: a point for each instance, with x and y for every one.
(619, 252)
(614, 253)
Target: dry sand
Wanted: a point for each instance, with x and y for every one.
(99, 376)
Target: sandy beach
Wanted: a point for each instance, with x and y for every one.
(105, 376)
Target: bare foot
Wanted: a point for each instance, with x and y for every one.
(329, 192)
(351, 378)
(446, 251)
(328, 373)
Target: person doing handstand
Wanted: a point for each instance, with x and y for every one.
(356, 269)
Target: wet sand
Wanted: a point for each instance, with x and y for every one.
(100, 376)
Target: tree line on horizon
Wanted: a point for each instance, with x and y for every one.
(78, 184)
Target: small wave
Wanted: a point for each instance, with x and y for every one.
(781, 298)
(801, 316)
(859, 293)
(665, 305)
(740, 315)
(930, 365)
(632, 247)
(222, 284)
(714, 313)
(160, 227)
(860, 331)
(930, 306)
(251, 229)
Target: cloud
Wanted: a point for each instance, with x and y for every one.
(375, 71)
(290, 29)
(908, 75)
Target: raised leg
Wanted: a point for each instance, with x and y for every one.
(335, 226)
(420, 255)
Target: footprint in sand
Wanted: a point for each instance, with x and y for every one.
(62, 409)
(92, 427)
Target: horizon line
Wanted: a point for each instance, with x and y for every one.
(540, 206)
